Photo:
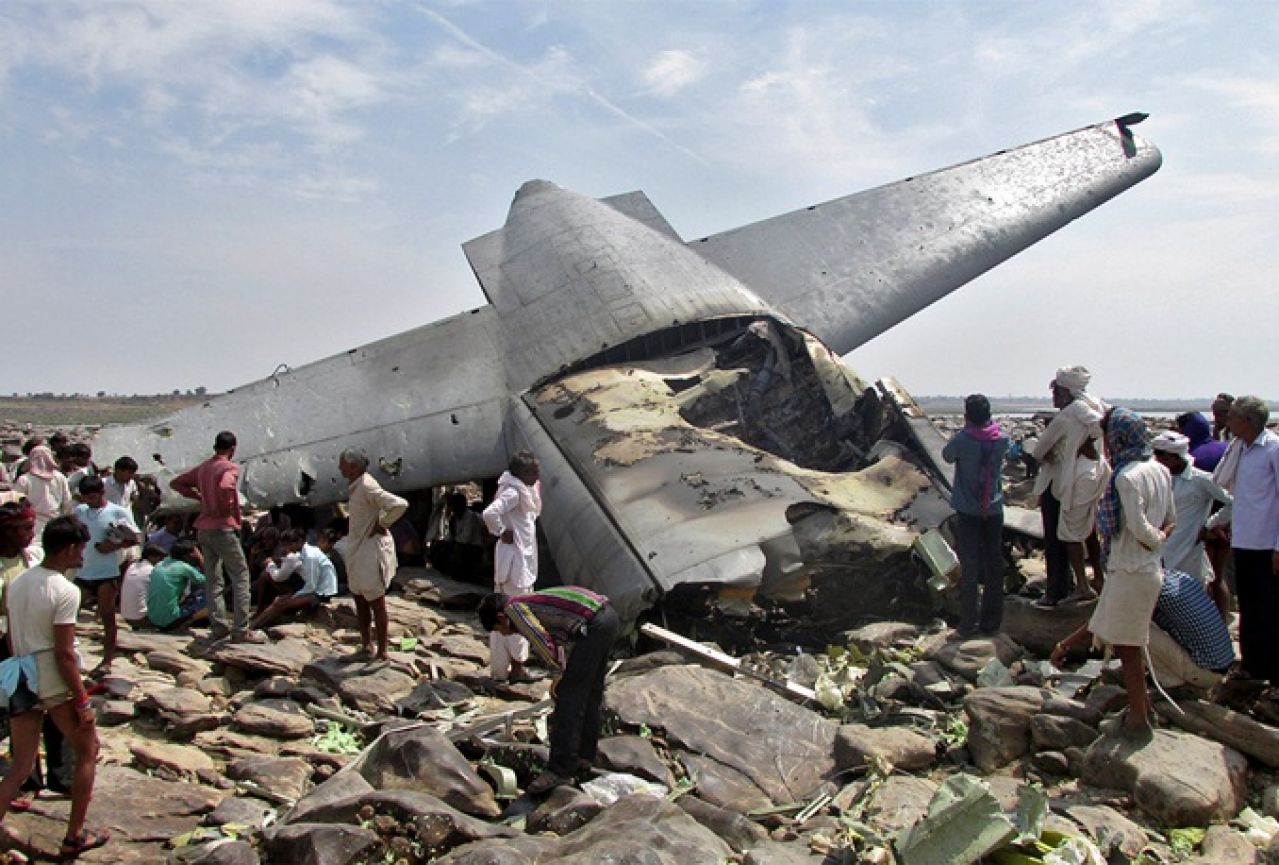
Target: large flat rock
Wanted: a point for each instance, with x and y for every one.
(1176, 778)
(784, 749)
(285, 658)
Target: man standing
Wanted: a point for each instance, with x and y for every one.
(1193, 492)
(1250, 470)
(370, 558)
(111, 529)
(555, 621)
(42, 605)
(512, 518)
(1078, 419)
(215, 484)
(978, 452)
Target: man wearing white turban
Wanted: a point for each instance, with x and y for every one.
(1078, 421)
(1193, 492)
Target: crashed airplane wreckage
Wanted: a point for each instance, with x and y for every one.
(695, 424)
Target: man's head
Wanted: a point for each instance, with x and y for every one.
(124, 470)
(292, 540)
(977, 410)
(456, 502)
(153, 554)
(58, 441)
(224, 444)
(1221, 409)
(17, 527)
(525, 467)
(63, 540)
(492, 613)
(187, 550)
(352, 463)
(1247, 417)
(173, 524)
(1172, 450)
(81, 454)
(31, 444)
(1068, 383)
(92, 491)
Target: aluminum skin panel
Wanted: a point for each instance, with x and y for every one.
(851, 268)
(426, 405)
(570, 276)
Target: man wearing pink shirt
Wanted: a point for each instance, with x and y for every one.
(215, 484)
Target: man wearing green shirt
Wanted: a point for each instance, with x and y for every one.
(172, 600)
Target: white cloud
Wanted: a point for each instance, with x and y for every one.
(673, 70)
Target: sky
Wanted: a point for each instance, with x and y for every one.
(196, 192)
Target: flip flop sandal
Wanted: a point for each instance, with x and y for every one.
(20, 805)
(87, 840)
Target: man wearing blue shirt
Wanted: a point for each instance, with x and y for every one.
(319, 578)
(111, 529)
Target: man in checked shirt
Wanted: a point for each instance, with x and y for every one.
(571, 630)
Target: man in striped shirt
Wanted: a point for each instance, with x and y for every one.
(571, 630)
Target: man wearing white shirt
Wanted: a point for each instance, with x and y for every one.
(512, 517)
(1250, 469)
(319, 578)
(1193, 492)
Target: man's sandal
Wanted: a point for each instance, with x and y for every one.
(73, 846)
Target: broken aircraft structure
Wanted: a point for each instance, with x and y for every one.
(695, 423)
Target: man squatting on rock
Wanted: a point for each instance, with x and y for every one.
(572, 630)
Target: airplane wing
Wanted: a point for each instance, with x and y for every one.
(428, 405)
(851, 268)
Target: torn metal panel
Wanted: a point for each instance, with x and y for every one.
(698, 502)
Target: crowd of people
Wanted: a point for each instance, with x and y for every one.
(1179, 530)
(69, 532)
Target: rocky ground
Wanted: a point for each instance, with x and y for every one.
(931, 750)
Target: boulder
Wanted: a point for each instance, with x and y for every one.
(343, 785)
(740, 833)
(879, 635)
(222, 852)
(178, 759)
(138, 807)
(462, 646)
(285, 658)
(427, 696)
(376, 692)
(178, 702)
(901, 801)
(1257, 740)
(424, 760)
(319, 844)
(438, 827)
(278, 719)
(1223, 845)
(332, 670)
(723, 785)
(241, 810)
(999, 723)
(967, 657)
(784, 749)
(1110, 829)
(287, 776)
(169, 661)
(563, 811)
(634, 755)
(1040, 630)
(1058, 732)
(520, 850)
(641, 830)
(1175, 778)
(901, 747)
